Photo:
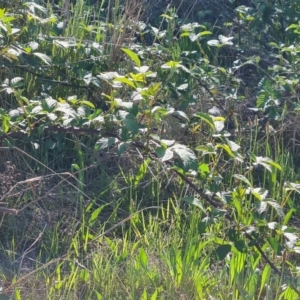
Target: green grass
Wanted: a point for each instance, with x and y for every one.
(156, 252)
(94, 225)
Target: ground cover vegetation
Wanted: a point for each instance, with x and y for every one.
(149, 150)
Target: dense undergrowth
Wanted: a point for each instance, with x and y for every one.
(149, 151)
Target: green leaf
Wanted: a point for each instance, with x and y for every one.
(65, 44)
(292, 239)
(141, 172)
(261, 207)
(16, 82)
(204, 33)
(5, 124)
(233, 146)
(222, 251)
(122, 147)
(225, 40)
(266, 162)
(170, 65)
(143, 258)
(259, 193)
(227, 149)
(243, 179)
(126, 81)
(49, 104)
(207, 149)
(186, 155)
(133, 56)
(142, 69)
(132, 125)
(144, 295)
(288, 216)
(219, 126)
(265, 276)
(32, 6)
(86, 103)
(241, 246)
(214, 43)
(50, 144)
(181, 115)
(164, 154)
(277, 207)
(105, 143)
(96, 212)
(194, 201)
(154, 88)
(46, 59)
(206, 118)
(109, 76)
(274, 244)
(154, 295)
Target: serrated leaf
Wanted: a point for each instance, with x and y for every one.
(46, 59)
(131, 124)
(243, 179)
(15, 82)
(123, 104)
(233, 146)
(277, 207)
(219, 125)
(261, 207)
(139, 78)
(142, 69)
(225, 40)
(193, 37)
(272, 225)
(32, 6)
(194, 201)
(133, 56)
(182, 87)
(164, 154)
(49, 104)
(222, 251)
(14, 113)
(266, 162)
(214, 43)
(241, 246)
(180, 114)
(186, 155)
(291, 237)
(109, 75)
(207, 149)
(259, 193)
(105, 143)
(167, 143)
(65, 44)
